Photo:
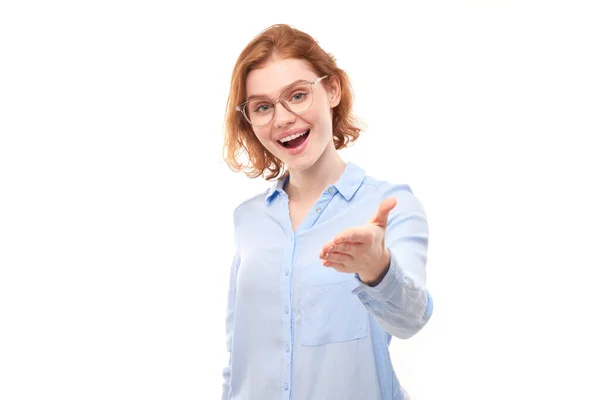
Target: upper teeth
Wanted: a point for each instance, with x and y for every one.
(292, 137)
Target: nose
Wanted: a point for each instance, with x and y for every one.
(282, 115)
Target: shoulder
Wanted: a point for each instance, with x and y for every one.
(401, 191)
(386, 187)
(250, 203)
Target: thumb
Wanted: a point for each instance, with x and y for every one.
(381, 215)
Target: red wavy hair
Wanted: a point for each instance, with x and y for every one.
(281, 41)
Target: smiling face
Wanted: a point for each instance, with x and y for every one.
(307, 136)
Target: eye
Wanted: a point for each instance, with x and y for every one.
(298, 96)
(262, 108)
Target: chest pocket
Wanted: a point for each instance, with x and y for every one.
(331, 313)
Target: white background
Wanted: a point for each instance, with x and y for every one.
(116, 207)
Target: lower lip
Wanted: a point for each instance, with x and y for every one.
(299, 149)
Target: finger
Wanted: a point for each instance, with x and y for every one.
(344, 247)
(326, 249)
(338, 266)
(337, 257)
(353, 235)
(349, 248)
(381, 215)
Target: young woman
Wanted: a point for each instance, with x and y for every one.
(329, 262)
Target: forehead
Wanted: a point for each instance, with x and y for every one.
(276, 75)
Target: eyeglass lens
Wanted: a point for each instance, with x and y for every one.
(298, 99)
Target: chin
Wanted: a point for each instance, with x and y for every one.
(303, 163)
(300, 166)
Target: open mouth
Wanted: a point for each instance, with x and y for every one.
(294, 140)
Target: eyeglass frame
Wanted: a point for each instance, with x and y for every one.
(242, 106)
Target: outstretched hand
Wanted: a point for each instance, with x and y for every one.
(362, 250)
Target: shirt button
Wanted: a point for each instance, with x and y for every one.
(285, 385)
(318, 209)
(287, 348)
(286, 309)
(330, 190)
(287, 272)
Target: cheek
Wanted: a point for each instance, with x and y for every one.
(321, 119)
(263, 137)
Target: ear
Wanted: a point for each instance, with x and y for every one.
(333, 89)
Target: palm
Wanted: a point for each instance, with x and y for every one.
(361, 249)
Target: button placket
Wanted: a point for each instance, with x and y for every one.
(286, 279)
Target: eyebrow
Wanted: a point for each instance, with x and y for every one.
(254, 96)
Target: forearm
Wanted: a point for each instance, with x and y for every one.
(399, 302)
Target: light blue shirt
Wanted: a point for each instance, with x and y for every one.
(296, 329)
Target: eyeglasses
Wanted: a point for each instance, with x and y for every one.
(297, 99)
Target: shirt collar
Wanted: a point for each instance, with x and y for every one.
(348, 183)
(276, 188)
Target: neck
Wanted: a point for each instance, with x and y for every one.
(307, 185)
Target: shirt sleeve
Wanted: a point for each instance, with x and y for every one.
(231, 298)
(400, 303)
